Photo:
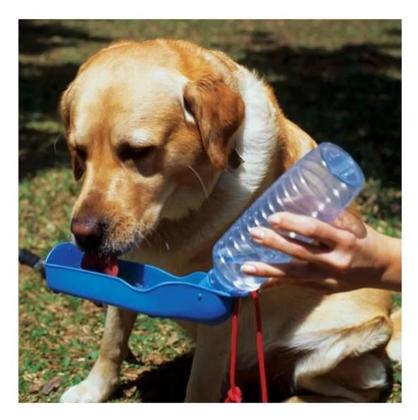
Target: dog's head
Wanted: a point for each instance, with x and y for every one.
(147, 140)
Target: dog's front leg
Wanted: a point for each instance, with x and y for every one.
(210, 364)
(104, 377)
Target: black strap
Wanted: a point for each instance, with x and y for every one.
(30, 259)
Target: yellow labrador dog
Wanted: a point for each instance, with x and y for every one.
(153, 128)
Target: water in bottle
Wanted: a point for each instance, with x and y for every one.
(321, 185)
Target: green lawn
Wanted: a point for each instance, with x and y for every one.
(339, 80)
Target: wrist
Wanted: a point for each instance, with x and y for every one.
(392, 276)
(379, 262)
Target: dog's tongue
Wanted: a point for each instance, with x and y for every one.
(93, 262)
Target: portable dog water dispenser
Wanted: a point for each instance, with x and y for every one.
(139, 288)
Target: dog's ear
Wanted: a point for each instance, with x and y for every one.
(65, 106)
(218, 111)
(65, 112)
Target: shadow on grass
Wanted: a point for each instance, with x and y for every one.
(167, 383)
(41, 137)
(39, 36)
(41, 141)
(350, 95)
(164, 383)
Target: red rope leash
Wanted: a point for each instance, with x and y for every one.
(260, 347)
(234, 393)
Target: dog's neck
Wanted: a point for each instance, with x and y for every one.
(257, 143)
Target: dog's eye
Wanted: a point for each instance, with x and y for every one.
(128, 152)
(81, 152)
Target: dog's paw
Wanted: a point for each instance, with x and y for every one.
(91, 390)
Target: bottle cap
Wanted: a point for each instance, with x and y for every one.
(342, 165)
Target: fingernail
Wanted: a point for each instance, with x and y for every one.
(274, 219)
(257, 233)
(248, 268)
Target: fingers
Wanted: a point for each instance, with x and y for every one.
(296, 249)
(338, 258)
(306, 226)
(312, 266)
(295, 270)
(349, 221)
(275, 274)
(279, 270)
(294, 273)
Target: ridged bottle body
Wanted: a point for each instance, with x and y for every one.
(321, 185)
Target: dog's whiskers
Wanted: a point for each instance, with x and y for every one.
(161, 237)
(145, 238)
(205, 191)
(167, 245)
(57, 139)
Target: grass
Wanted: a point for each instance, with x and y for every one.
(339, 80)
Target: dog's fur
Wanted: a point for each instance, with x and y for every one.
(150, 128)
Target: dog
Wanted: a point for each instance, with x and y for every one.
(171, 142)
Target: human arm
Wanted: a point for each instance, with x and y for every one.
(345, 256)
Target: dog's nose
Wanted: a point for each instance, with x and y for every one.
(88, 232)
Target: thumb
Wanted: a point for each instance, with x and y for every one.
(350, 222)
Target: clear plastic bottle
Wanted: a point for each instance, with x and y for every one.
(321, 185)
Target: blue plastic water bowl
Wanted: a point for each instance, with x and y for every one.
(139, 288)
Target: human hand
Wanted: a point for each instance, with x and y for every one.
(344, 256)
